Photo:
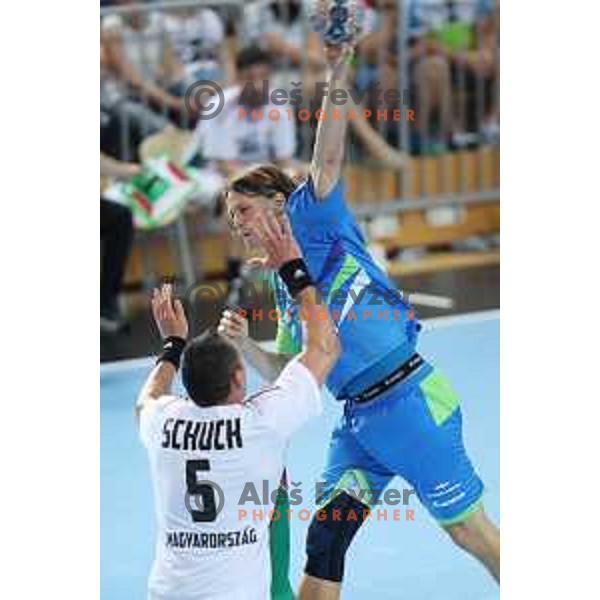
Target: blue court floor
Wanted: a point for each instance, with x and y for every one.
(399, 560)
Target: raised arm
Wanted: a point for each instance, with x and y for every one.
(268, 364)
(173, 327)
(328, 153)
(321, 347)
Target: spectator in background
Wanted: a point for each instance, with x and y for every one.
(490, 33)
(237, 136)
(116, 236)
(387, 79)
(459, 34)
(377, 140)
(314, 70)
(428, 80)
(142, 58)
(379, 137)
(243, 133)
(379, 38)
(282, 29)
(197, 36)
(380, 24)
(124, 122)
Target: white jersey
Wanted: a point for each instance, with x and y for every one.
(205, 549)
(195, 37)
(239, 134)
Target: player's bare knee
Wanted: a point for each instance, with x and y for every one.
(462, 534)
(467, 534)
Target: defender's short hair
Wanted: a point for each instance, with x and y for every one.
(209, 361)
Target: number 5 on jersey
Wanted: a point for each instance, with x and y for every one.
(200, 494)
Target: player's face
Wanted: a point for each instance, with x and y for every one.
(243, 213)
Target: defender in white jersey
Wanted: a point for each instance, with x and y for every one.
(204, 449)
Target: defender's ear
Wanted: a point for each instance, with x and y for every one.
(238, 377)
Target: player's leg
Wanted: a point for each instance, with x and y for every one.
(416, 432)
(480, 537)
(462, 516)
(352, 483)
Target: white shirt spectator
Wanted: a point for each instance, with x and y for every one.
(259, 19)
(196, 37)
(144, 48)
(232, 137)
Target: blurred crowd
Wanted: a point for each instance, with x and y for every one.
(442, 54)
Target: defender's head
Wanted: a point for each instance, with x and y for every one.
(212, 371)
(252, 193)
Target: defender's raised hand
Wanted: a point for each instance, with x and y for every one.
(168, 313)
(277, 241)
(233, 326)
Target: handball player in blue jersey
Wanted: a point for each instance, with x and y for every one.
(401, 416)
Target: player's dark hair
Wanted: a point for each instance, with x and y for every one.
(250, 56)
(208, 364)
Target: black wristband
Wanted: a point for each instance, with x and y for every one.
(172, 350)
(295, 275)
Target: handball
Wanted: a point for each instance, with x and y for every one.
(338, 21)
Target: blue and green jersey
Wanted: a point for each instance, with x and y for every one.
(377, 327)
